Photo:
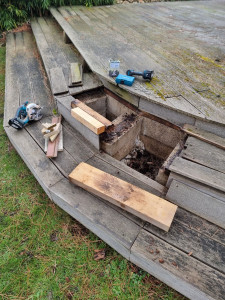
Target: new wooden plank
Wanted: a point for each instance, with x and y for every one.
(204, 154)
(96, 215)
(90, 122)
(187, 275)
(147, 206)
(205, 136)
(91, 112)
(199, 203)
(198, 173)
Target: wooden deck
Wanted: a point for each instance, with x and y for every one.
(193, 251)
(182, 42)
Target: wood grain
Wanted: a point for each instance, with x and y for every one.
(205, 136)
(145, 205)
(91, 112)
(87, 120)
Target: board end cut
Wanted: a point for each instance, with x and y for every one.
(137, 201)
(87, 120)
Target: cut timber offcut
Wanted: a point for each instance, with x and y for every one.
(87, 120)
(139, 202)
(91, 112)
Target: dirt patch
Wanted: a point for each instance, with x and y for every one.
(117, 130)
(143, 162)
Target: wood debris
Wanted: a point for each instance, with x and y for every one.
(53, 135)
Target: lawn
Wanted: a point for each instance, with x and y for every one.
(45, 254)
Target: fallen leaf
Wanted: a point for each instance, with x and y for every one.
(161, 261)
(190, 253)
(67, 279)
(99, 254)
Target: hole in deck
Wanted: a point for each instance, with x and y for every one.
(140, 142)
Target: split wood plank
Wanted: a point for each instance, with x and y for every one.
(198, 173)
(205, 136)
(58, 82)
(139, 202)
(197, 202)
(60, 145)
(91, 112)
(87, 120)
(204, 154)
(75, 74)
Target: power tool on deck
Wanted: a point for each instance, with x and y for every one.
(146, 74)
(25, 113)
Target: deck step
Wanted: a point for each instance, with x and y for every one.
(202, 204)
(139, 242)
(56, 54)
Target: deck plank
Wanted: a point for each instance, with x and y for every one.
(204, 154)
(199, 203)
(186, 274)
(181, 86)
(96, 215)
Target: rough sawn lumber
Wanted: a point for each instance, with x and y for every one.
(91, 112)
(139, 202)
(87, 120)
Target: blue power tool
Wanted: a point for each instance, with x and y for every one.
(124, 79)
(24, 114)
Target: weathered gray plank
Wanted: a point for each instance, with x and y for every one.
(103, 220)
(200, 225)
(199, 203)
(201, 247)
(42, 168)
(184, 273)
(205, 136)
(65, 110)
(57, 81)
(205, 154)
(197, 185)
(12, 99)
(198, 173)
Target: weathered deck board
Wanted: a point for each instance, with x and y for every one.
(189, 70)
(194, 278)
(58, 54)
(199, 173)
(198, 202)
(96, 215)
(204, 154)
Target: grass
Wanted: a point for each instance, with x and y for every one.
(45, 254)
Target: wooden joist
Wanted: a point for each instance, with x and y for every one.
(58, 82)
(205, 136)
(139, 202)
(87, 120)
(91, 112)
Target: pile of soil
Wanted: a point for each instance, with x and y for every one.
(144, 162)
(117, 130)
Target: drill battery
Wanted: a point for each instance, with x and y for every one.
(125, 79)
